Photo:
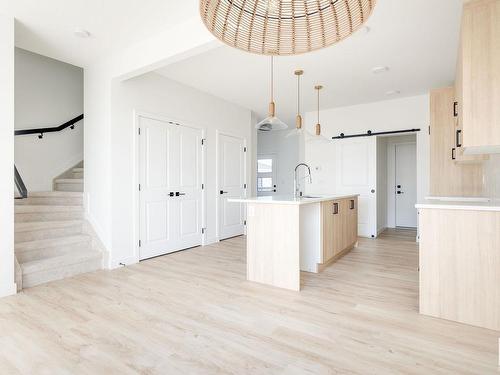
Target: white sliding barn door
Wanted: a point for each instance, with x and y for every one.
(231, 184)
(171, 193)
(357, 174)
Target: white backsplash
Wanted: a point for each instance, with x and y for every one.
(492, 177)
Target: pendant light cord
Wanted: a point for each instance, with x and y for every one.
(298, 94)
(318, 105)
(272, 78)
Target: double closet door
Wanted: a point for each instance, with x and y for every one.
(170, 166)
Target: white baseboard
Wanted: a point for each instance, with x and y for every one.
(118, 263)
(379, 232)
(210, 241)
(8, 290)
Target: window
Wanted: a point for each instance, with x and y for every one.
(266, 175)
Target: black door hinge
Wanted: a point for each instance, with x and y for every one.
(202, 186)
(203, 230)
(429, 130)
(140, 243)
(139, 187)
(245, 222)
(244, 149)
(244, 186)
(139, 131)
(203, 142)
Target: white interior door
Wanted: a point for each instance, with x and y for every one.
(231, 184)
(171, 193)
(357, 174)
(406, 185)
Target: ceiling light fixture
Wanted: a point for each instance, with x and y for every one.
(380, 69)
(271, 122)
(284, 27)
(81, 33)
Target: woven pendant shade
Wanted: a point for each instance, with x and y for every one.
(284, 27)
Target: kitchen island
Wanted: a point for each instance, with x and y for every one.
(286, 235)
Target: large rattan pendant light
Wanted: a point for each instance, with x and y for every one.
(284, 27)
(271, 122)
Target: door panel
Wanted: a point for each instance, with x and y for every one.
(406, 185)
(171, 195)
(231, 159)
(356, 174)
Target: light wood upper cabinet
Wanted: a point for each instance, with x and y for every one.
(478, 77)
(449, 178)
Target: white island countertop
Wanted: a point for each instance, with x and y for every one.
(290, 199)
(470, 204)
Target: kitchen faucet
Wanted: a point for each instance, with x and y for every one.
(295, 180)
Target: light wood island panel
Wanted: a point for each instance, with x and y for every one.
(460, 266)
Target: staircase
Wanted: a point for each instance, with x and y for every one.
(50, 238)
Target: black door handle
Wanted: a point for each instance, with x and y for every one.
(177, 194)
(223, 192)
(399, 186)
(399, 192)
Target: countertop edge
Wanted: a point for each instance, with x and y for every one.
(292, 202)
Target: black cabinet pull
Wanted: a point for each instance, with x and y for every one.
(459, 132)
(453, 156)
(335, 208)
(455, 109)
(352, 204)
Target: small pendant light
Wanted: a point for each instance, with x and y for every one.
(271, 122)
(318, 88)
(298, 119)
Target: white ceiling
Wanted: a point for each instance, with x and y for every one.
(46, 26)
(416, 39)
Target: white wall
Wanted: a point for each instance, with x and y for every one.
(157, 95)
(47, 93)
(399, 114)
(286, 150)
(7, 285)
(169, 46)
(382, 183)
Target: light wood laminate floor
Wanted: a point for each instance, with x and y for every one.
(193, 312)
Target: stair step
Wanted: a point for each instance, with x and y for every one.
(78, 175)
(69, 181)
(37, 213)
(52, 242)
(32, 231)
(76, 170)
(49, 248)
(56, 268)
(69, 184)
(52, 194)
(32, 208)
(55, 200)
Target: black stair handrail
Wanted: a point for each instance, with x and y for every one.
(41, 131)
(21, 187)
